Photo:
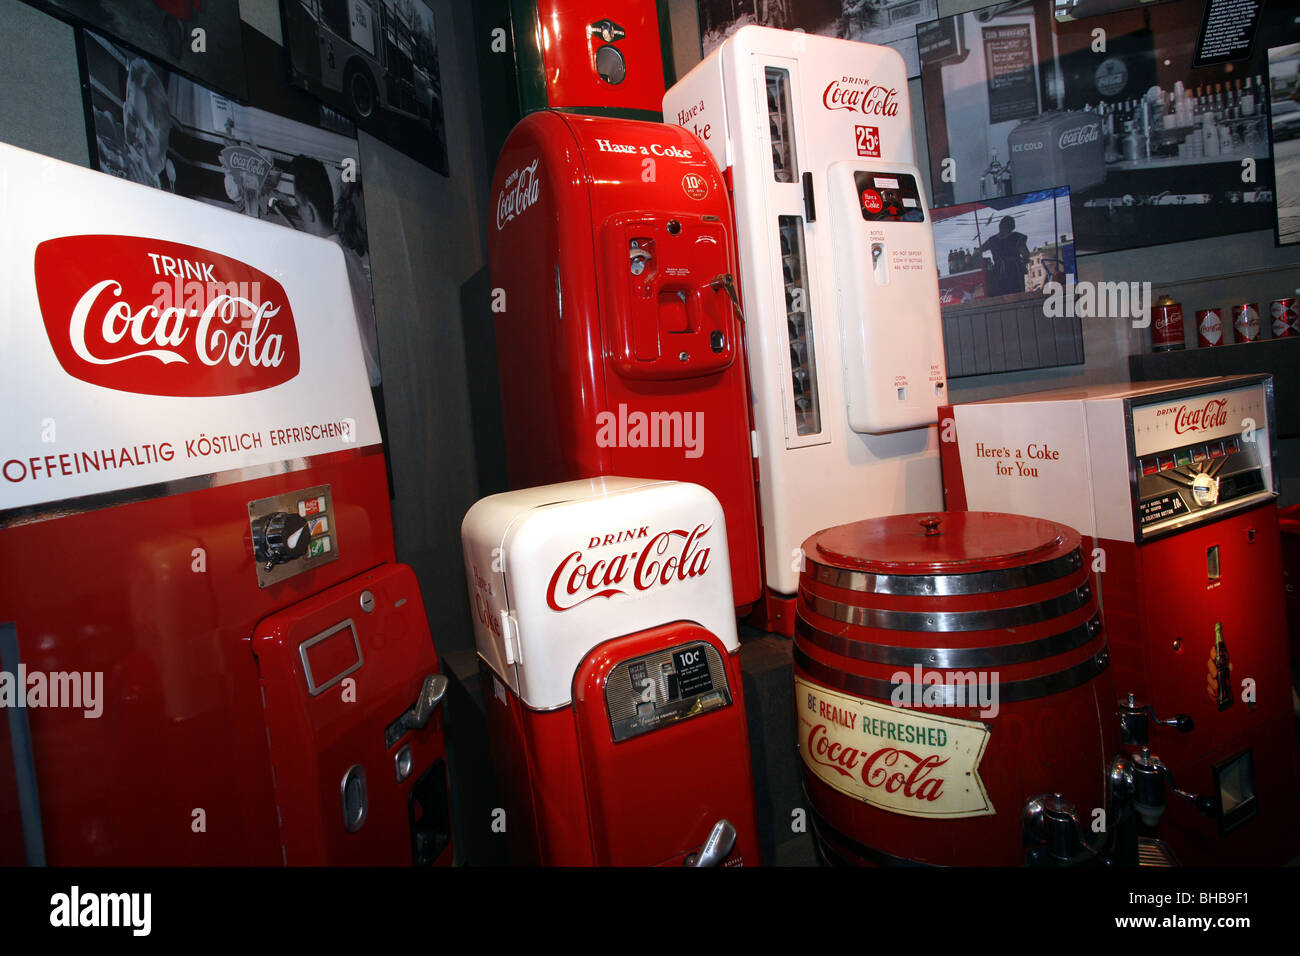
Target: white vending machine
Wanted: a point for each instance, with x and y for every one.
(838, 281)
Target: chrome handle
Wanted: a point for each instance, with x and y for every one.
(416, 717)
(721, 841)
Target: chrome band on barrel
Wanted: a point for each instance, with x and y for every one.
(921, 585)
(992, 656)
(1007, 691)
(833, 841)
(983, 620)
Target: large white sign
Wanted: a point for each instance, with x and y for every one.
(146, 339)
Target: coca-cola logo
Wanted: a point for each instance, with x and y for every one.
(1078, 135)
(891, 769)
(1213, 414)
(861, 95)
(519, 192)
(163, 318)
(665, 557)
(245, 159)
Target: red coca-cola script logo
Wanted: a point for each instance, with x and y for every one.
(1212, 414)
(861, 95)
(891, 769)
(162, 318)
(665, 557)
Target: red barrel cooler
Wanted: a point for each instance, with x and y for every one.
(948, 669)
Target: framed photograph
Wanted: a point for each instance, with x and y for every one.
(1152, 149)
(155, 127)
(199, 38)
(884, 22)
(376, 62)
(1010, 246)
(1284, 127)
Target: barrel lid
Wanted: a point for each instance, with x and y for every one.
(942, 542)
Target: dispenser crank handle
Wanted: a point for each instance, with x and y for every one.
(727, 282)
(721, 841)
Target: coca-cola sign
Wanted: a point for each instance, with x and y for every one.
(162, 318)
(1079, 135)
(862, 96)
(898, 760)
(1201, 418)
(518, 193)
(651, 560)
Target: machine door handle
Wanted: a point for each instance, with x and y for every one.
(727, 282)
(416, 717)
(810, 206)
(721, 841)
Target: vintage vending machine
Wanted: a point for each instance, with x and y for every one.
(607, 640)
(592, 56)
(1176, 485)
(838, 280)
(209, 653)
(618, 330)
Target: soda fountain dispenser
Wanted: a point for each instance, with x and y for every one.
(838, 278)
(1175, 484)
(606, 633)
(196, 547)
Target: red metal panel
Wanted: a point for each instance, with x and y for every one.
(315, 739)
(122, 591)
(654, 798)
(568, 53)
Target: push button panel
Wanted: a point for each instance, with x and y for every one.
(292, 533)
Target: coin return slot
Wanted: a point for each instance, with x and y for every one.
(1212, 569)
(902, 394)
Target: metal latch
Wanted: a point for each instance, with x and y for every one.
(510, 637)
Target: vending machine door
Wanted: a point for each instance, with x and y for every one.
(894, 375)
(664, 747)
(351, 693)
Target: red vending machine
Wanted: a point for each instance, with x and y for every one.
(592, 56)
(618, 331)
(606, 634)
(1175, 483)
(208, 652)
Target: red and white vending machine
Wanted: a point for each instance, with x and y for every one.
(838, 280)
(607, 641)
(618, 331)
(209, 654)
(1176, 484)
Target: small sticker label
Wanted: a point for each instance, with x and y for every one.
(868, 138)
(695, 186)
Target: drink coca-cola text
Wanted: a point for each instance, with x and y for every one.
(852, 93)
(519, 191)
(668, 556)
(1213, 414)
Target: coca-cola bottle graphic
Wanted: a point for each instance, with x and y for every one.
(1222, 668)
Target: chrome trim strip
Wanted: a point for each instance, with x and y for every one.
(997, 655)
(46, 511)
(986, 620)
(1008, 691)
(317, 689)
(976, 582)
